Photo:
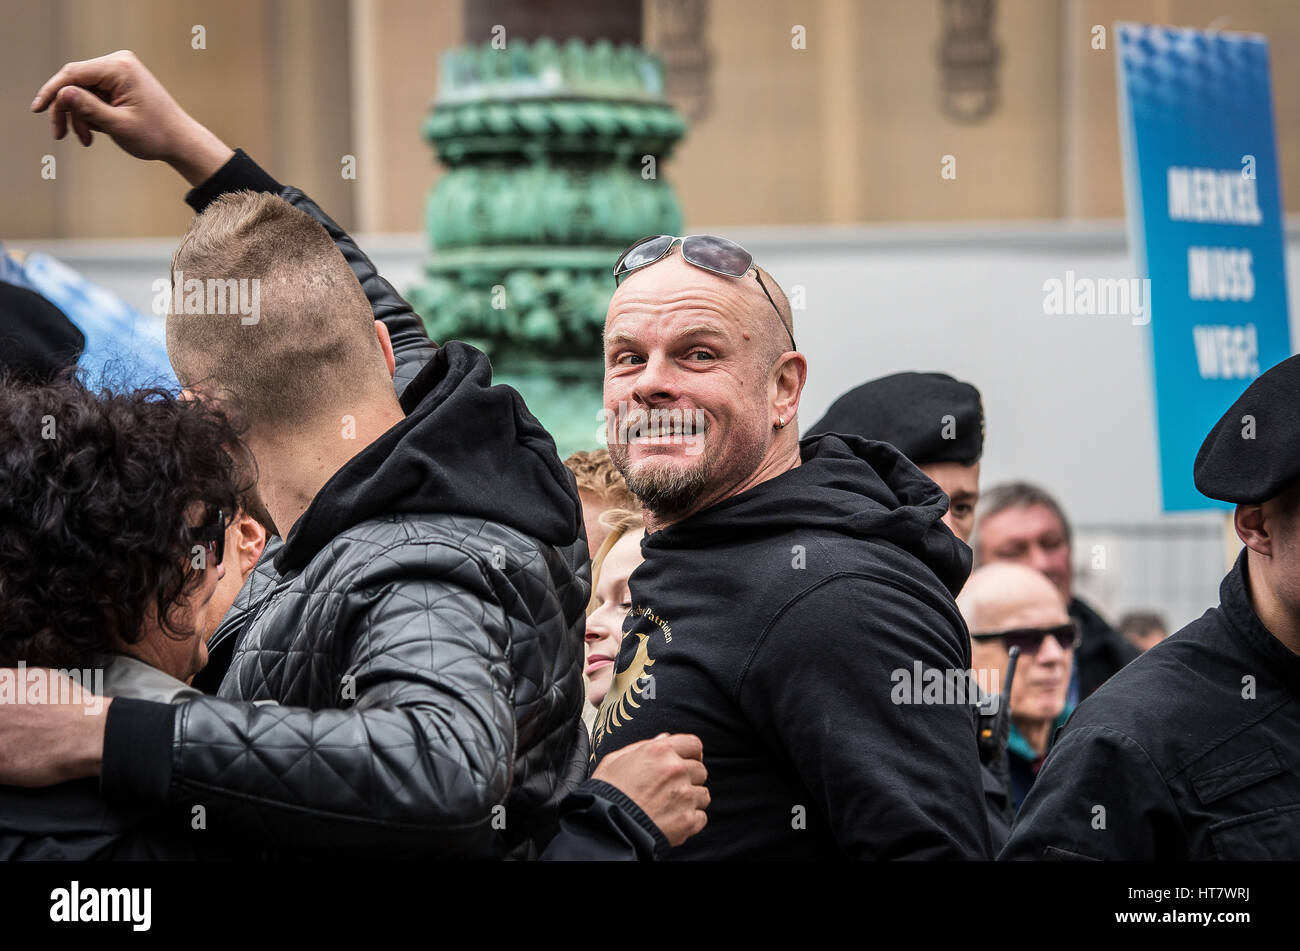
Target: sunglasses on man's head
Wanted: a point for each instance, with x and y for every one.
(705, 251)
(212, 536)
(1030, 639)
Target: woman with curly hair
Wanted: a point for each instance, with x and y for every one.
(112, 519)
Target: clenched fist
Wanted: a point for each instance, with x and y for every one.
(665, 778)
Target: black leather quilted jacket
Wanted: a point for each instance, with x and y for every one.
(405, 672)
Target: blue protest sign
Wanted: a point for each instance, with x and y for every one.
(1204, 202)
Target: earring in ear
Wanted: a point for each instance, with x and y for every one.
(781, 424)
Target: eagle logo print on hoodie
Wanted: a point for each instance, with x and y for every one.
(628, 685)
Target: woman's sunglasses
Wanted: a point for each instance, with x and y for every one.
(212, 536)
(1030, 639)
(706, 251)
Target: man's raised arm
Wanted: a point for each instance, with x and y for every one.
(118, 96)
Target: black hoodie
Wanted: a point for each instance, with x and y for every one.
(778, 626)
(466, 447)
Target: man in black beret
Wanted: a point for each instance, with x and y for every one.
(36, 339)
(1190, 751)
(934, 420)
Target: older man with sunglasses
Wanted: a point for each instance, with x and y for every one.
(784, 586)
(1008, 606)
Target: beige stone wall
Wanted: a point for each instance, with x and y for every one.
(269, 81)
(849, 129)
(396, 45)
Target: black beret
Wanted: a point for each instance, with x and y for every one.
(929, 417)
(1253, 453)
(36, 339)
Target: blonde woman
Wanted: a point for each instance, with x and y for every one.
(612, 565)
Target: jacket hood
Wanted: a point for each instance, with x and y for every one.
(846, 484)
(465, 448)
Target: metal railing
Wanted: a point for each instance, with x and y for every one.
(1172, 568)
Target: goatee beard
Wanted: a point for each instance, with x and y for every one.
(665, 491)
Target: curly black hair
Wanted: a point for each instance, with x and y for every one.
(97, 495)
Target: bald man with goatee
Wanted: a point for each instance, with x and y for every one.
(784, 583)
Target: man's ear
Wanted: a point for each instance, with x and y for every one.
(386, 345)
(249, 542)
(788, 377)
(1252, 528)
